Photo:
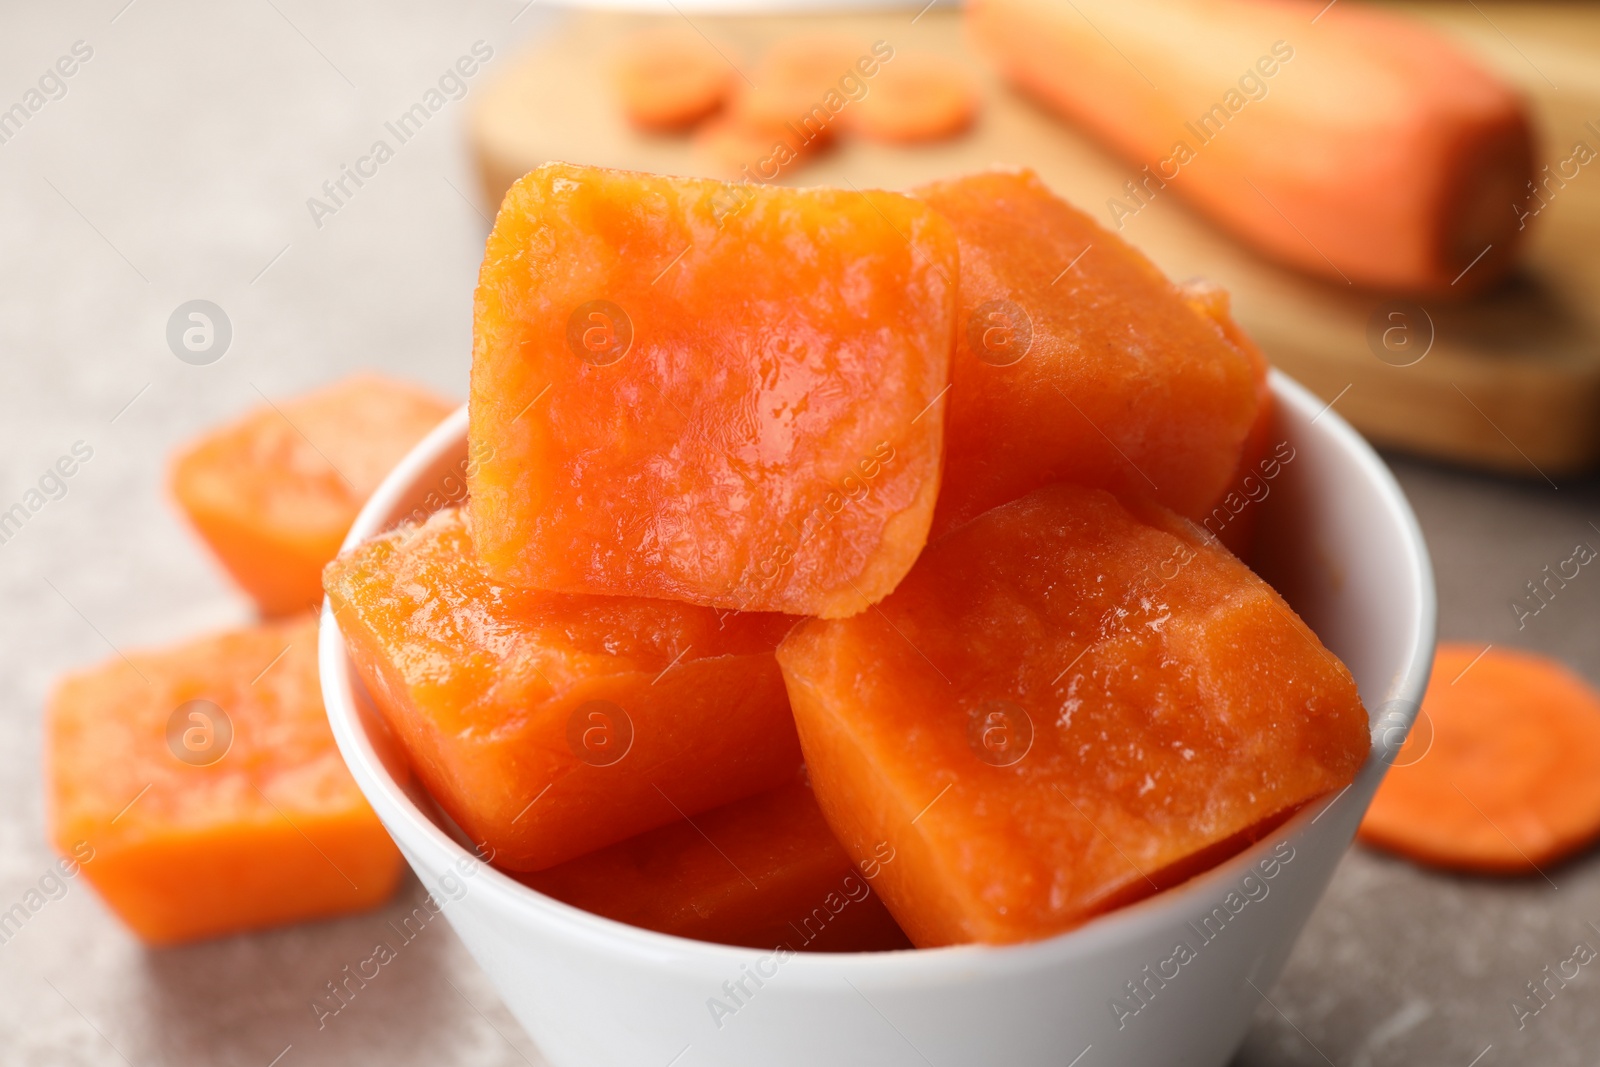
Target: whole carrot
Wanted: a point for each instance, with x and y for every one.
(1345, 141)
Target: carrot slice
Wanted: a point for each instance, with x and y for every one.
(669, 78)
(917, 97)
(801, 85)
(1501, 774)
(732, 146)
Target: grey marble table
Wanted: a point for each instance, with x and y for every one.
(176, 163)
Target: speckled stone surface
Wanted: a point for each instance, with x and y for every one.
(1404, 966)
(177, 166)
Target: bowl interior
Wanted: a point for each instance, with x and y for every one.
(1335, 537)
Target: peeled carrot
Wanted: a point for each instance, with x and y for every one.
(669, 78)
(1362, 146)
(917, 97)
(1501, 773)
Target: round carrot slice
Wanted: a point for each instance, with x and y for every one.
(669, 78)
(1507, 779)
(731, 146)
(801, 85)
(916, 97)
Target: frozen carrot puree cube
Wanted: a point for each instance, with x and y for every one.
(548, 725)
(709, 392)
(201, 787)
(763, 872)
(1069, 702)
(274, 491)
(1077, 360)
(1232, 519)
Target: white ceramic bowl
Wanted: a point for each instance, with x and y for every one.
(1343, 547)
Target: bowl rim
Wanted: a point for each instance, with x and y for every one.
(419, 830)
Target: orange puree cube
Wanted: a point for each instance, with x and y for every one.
(763, 872)
(274, 492)
(710, 392)
(547, 724)
(1077, 360)
(1233, 518)
(200, 788)
(1069, 702)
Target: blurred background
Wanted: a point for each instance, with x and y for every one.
(200, 152)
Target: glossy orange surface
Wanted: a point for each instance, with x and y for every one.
(1077, 360)
(1501, 773)
(549, 725)
(1233, 517)
(274, 492)
(1065, 703)
(709, 392)
(203, 819)
(763, 872)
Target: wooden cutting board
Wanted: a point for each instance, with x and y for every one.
(1509, 381)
